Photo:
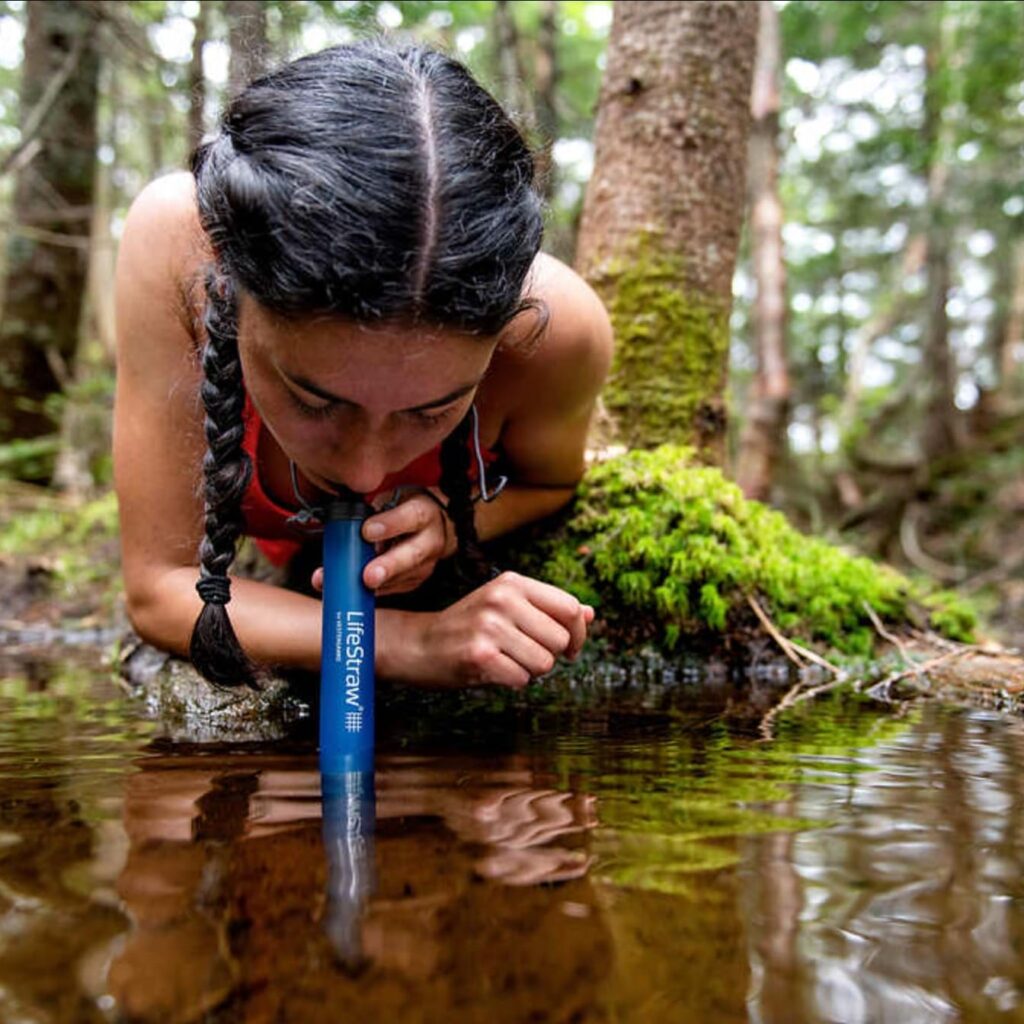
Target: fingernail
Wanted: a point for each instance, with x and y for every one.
(375, 576)
(373, 531)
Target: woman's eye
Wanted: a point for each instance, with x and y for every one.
(431, 418)
(311, 411)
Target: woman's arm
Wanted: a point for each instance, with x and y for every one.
(159, 444)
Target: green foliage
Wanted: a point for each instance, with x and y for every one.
(654, 537)
(74, 539)
(29, 458)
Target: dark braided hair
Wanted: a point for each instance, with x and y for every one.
(227, 469)
(367, 182)
(470, 564)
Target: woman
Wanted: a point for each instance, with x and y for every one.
(347, 293)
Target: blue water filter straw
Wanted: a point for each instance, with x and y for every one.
(347, 653)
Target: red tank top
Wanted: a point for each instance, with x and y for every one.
(266, 519)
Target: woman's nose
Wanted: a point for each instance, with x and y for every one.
(363, 472)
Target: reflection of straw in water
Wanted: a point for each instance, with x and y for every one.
(349, 812)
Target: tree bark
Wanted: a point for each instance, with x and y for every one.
(512, 89)
(197, 79)
(939, 434)
(768, 409)
(1008, 340)
(86, 417)
(47, 256)
(663, 209)
(247, 40)
(545, 91)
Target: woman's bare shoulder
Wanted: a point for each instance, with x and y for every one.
(570, 358)
(163, 250)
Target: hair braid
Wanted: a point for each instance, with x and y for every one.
(470, 563)
(214, 648)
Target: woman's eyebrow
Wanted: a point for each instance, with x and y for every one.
(329, 396)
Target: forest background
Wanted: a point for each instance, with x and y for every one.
(879, 401)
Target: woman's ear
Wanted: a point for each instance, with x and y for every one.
(522, 335)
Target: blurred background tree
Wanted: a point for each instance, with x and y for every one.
(899, 198)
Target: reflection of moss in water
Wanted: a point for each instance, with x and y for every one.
(77, 696)
(681, 814)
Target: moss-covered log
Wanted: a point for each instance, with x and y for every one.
(667, 548)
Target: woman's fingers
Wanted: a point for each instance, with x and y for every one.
(500, 669)
(548, 632)
(563, 608)
(405, 557)
(537, 659)
(412, 516)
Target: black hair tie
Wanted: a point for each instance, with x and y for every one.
(214, 589)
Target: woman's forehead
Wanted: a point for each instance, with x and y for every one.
(416, 364)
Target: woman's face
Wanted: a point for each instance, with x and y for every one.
(350, 404)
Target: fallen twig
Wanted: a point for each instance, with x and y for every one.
(935, 640)
(890, 637)
(794, 651)
(880, 690)
(785, 645)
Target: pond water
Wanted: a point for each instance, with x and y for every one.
(602, 860)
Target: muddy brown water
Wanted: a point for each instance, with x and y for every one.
(606, 860)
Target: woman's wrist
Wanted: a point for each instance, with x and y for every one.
(399, 638)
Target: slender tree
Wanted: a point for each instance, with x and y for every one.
(196, 77)
(47, 256)
(767, 411)
(247, 40)
(545, 91)
(663, 208)
(939, 428)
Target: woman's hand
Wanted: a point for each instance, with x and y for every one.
(416, 535)
(420, 535)
(506, 632)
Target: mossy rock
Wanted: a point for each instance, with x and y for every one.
(666, 549)
(190, 709)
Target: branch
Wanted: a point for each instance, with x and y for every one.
(38, 114)
(920, 558)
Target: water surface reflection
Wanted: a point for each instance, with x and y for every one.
(234, 904)
(583, 866)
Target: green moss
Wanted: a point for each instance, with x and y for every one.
(671, 350)
(655, 539)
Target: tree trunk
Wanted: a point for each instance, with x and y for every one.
(545, 90)
(663, 209)
(939, 429)
(196, 77)
(247, 40)
(47, 257)
(767, 411)
(1008, 340)
(512, 88)
(86, 418)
